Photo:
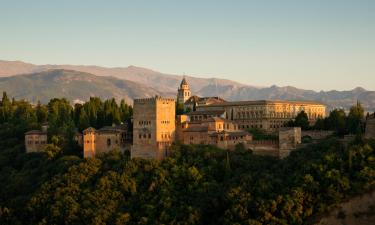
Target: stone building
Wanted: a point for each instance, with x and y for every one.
(105, 139)
(370, 127)
(212, 131)
(192, 101)
(154, 126)
(264, 114)
(35, 140)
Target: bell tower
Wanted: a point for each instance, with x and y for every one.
(184, 92)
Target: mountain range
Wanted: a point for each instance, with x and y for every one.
(78, 83)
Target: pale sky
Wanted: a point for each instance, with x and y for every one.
(310, 44)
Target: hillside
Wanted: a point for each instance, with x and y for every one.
(139, 78)
(72, 85)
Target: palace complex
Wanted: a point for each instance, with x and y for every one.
(208, 121)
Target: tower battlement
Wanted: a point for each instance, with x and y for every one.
(153, 99)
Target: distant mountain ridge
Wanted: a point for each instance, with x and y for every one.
(73, 85)
(141, 82)
(150, 78)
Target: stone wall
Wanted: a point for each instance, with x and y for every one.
(264, 147)
(317, 134)
(370, 128)
(289, 139)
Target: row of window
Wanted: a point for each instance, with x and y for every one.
(109, 141)
(165, 122)
(37, 142)
(144, 122)
(288, 108)
(144, 136)
(251, 126)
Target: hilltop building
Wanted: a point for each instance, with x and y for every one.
(106, 139)
(269, 115)
(189, 101)
(36, 140)
(212, 131)
(154, 126)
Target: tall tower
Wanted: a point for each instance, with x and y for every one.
(184, 92)
(154, 127)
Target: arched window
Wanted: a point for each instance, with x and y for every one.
(108, 142)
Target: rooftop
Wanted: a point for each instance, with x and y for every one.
(208, 112)
(262, 102)
(35, 132)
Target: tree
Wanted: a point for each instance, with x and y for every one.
(83, 121)
(52, 150)
(302, 121)
(41, 113)
(355, 118)
(5, 108)
(337, 121)
(179, 108)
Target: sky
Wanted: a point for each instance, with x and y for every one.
(310, 44)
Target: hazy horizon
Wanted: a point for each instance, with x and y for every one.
(314, 45)
(188, 75)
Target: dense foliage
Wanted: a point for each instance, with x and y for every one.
(196, 185)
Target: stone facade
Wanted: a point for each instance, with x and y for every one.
(370, 127)
(213, 131)
(203, 115)
(105, 139)
(154, 127)
(35, 140)
(289, 139)
(267, 115)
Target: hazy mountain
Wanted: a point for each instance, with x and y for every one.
(333, 99)
(72, 85)
(138, 80)
(157, 80)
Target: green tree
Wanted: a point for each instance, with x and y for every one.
(84, 121)
(355, 118)
(337, 121)
(41, 113)
(301, 120)
(6, 108)
(179, 108)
